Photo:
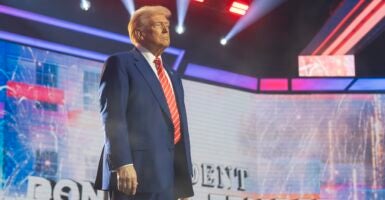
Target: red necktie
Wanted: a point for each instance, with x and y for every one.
(170, 98)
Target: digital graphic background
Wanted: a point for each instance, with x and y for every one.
(327, 145)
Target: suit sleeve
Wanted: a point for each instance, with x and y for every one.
(114, 91)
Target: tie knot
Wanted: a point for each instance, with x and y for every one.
(158, 62)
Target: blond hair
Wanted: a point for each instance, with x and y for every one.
(140, 19)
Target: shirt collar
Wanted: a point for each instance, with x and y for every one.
(147, 54)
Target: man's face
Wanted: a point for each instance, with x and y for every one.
(156, 34)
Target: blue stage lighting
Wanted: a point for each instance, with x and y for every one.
(85, 5)
(182, 6)
(223, 41)
(179, 29)
(130, 6)
(257, 10)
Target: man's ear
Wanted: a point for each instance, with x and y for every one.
(139, 35)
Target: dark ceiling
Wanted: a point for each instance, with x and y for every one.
(268, 48)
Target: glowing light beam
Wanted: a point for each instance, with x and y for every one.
(257, 10)
(223, 41)
(130, 6)
(85, 5)
(179, 29)
(182, 6)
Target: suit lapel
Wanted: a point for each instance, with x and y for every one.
(152, 81)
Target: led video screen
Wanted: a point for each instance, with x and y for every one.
(336, 65)
(244, 145)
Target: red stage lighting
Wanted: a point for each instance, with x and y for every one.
(239, 8)
(200, 0)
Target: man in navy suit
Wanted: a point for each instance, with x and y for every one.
(146, 155)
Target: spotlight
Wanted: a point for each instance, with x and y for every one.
(179, 29)
(257, 10)
(85, 5)
(223, 41)
(181, 6)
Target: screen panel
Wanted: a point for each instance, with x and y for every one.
(326, 65)
(324, 146)
(244, 145)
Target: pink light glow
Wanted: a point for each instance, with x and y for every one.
(344, 36)
(343, 21)
(373, 19)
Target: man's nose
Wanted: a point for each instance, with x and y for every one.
(165, 29)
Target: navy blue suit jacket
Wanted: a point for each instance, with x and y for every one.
(138, 127)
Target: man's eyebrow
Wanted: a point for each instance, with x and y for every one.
(164, 23)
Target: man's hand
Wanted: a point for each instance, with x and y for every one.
(127, 179)
(183, 199)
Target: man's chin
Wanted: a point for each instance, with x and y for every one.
(165, 45)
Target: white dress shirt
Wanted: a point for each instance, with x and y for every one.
(150, 59)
